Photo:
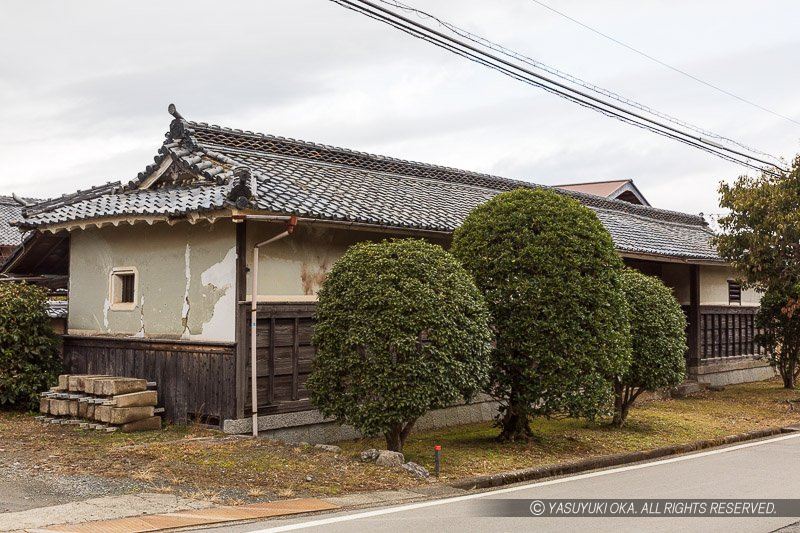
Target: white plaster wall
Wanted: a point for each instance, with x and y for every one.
(186, 281)
(293, 268)
(713, 284)
(714, 287)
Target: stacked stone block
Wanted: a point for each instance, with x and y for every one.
(107, 403)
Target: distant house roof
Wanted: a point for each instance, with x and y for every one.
(624, 190)
(31, 256)
(42, 258)
(10, 210)
(57, 308)
(194, 173)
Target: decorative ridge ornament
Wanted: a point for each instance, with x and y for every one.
(172, 110)
(178, 127)
(241, 194)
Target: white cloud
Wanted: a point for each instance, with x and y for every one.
(85, 89)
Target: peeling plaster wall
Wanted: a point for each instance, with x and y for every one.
(293, 268)
(186, 281)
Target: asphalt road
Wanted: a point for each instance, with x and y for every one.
(760, 469)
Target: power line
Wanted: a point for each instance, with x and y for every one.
(569, 77)
(522, 74)
(575, 96)
(667, 65)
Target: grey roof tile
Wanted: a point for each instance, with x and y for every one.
(319, 181)
(57, 308)
(10, 211)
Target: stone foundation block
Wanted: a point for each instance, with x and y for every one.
(136, 399)
(147, 424)
(125, 415)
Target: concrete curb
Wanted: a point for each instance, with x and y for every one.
(595, 463)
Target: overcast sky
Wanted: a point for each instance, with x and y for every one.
(84, 86)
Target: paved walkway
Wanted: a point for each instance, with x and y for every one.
(105, 508)
(197, 517)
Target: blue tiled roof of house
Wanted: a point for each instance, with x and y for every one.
(325, 182)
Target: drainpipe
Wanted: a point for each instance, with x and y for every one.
(291, 223)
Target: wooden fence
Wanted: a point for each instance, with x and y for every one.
(196, 380)
(728, 332)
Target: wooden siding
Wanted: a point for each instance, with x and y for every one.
(196, 380)
(284, 357)
(728, 332)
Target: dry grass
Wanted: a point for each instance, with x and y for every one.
(472, 450)
(205, 464)
(192, 462)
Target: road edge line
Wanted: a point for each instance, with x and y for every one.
(606, 461)
(793, 432)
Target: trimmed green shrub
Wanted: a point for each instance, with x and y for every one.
(658, 337)
(29, 360)
(550, 275)
(400, 329)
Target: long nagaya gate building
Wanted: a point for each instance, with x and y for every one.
(161, 268)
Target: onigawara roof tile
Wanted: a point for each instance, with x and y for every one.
(195, 172)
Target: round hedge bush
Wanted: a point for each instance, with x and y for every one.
(29, 361)
(658, 340)
(400, 329)
(550, 275)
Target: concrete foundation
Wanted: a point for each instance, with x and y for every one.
(312, 427)
(731, 370)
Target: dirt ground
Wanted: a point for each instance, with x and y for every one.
(47, 464)
(189, 461)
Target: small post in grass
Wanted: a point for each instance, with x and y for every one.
(437, 457)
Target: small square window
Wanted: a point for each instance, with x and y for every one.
(126, 294)
(734, 292)
(123, 288)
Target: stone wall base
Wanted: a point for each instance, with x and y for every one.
(312, 427)
(731, 370)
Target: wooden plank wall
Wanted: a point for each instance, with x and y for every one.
(728, 332)
(196, 381)
(284, 357)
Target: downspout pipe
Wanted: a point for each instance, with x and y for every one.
(291, 223)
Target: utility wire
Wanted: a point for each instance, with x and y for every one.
(569, 77)
(520, 73)
(667, 65)
(567, 96)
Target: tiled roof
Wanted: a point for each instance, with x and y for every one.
(10, 211)
(57, 308)
(319, 181)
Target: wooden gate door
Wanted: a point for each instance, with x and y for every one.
(284, 355)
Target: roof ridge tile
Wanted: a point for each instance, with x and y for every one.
(442, 173)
